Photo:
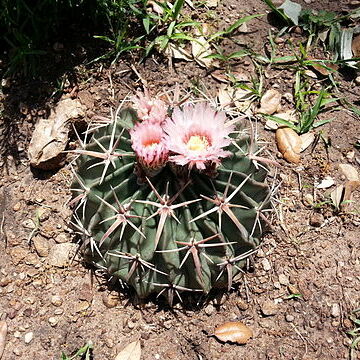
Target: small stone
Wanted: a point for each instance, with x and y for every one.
(5, 281)
(17, 206)
(316, 220)
(283, 279)
(335, 310)
(56, 300)
(110, 300)
(209, 310)
(17, 334)
(266, 264)
(82, 306)
(28, 337)
(167, 324)
(17, 352)
(60, 254)
(347, 324)
(269, 308)
(28, 224)
(357, 80)
(41, 246)
(11, 313)
(242, 305)
(130, 324)
(289, 318)
(61, 238)
(53, 321)
(308, 200)
(293, 290)
(59, 311)
(18, 254)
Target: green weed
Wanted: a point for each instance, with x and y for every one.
(84, 353)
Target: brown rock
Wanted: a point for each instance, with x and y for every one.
(41, 246)
(110, 300)
(18, 254)
(316, 220)
(269, 308)
(60, 254)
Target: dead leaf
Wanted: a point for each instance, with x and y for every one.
(3, 333)
(350, 172)
(306, 140)
(230, 97)
(321, 69)
(327, 182)
(200, 49)
(311, 74)
(50, 136)
(350, 187)
(270, 102)
(178, 52)
(236, 332)
(355, 47)
(220, 76)
(336, 195)
(289, 144)
(155, 7)
(130, 352)
(211, 3)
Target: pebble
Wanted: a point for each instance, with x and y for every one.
(82, 306)
(17, 352)
(269, 308)
(28, 224)
(167, 324)
(17, 334)
(28, 337)
(242, 305)
(130, 324)
(283, 279)
(41, 246)
(110, 300)
(289, 318)
(357, 80)
(266, 264)
(61, 238)
(56, 300)
(60, 254)
(53, 321)
(209, 310)
(59, 311)
(17, 206)
(316, 220)
(5, 281)
(335, 310)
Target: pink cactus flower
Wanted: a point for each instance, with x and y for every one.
(148, 143)
(196, 135)
(153, 110)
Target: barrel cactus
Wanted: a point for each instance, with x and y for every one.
(169, 198)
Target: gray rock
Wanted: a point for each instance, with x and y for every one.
(60, 254)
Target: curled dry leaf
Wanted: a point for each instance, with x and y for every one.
(178, 52)
(229, 97)
(289, 144)
(355, 47)
(130, 352)
(236, 332)
(219, 75)
(350, 187)
(350, 172)
(3, 333)
(270, 102)
(327, 182)
(200, 49)
(336, 195)
(306, 140)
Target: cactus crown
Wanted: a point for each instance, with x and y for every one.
(169, 199)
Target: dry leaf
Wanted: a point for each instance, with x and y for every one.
(306, 140)
(3, 332)
(178, 53)
(236, 332)
(130, 352)
(350, 187)
(270, 102)
(311, 74)
(350, 172)
(155, 7)
(271, 125)
(322, 70)
(336, 195)
(211, 3)
(200, 49)
(288, 115)
(220, 76)
(289, 144)
(327, 182)
(228, 97)
(355, 47)
(50, 136)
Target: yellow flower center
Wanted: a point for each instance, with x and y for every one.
(197, 143)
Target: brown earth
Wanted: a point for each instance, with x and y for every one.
(301, 287)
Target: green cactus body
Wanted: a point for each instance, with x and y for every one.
(175, 231)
